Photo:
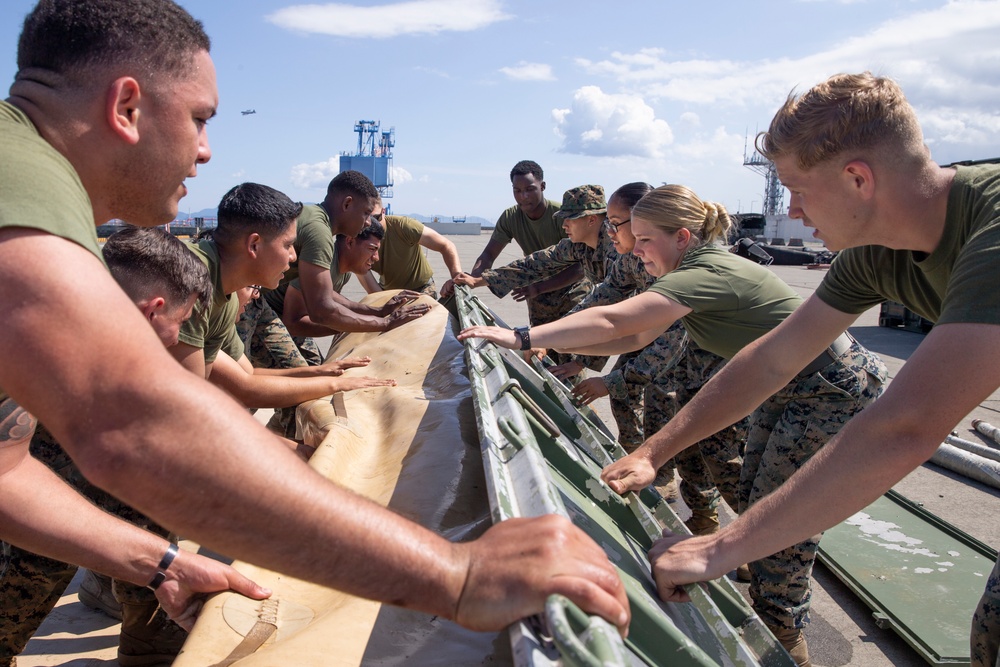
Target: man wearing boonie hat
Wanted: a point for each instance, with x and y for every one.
(588, 246)
(582, 201)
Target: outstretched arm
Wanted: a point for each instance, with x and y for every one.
(954, 369)
(439, 243)
(41, 513)
(621, 327)
(178, 438)
(276, 391)
(746, 381)
(487, 257)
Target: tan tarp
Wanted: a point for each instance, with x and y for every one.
(413, 447)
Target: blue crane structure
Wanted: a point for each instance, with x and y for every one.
(374, 155)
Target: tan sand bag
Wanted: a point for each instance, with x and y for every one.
(414, 448)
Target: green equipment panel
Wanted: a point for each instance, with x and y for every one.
(921, 576)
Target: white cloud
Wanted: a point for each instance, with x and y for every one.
(718, 147)
(525, 71)
(400, 175)
(691, 119)
(919, 51)
(318, 174)
(433, 71)
(961, 126)
(606, 125)
(427, 17)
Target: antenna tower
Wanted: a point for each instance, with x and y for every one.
(774, 191)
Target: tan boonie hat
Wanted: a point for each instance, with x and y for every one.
(580, 201)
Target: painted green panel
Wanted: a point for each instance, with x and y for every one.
(921, 576)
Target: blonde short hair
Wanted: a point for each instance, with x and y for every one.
(861, 114)
(672, 207)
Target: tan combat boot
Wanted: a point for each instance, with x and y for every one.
(703, 522)
(794, 642)
(148, 638)
(95, 592)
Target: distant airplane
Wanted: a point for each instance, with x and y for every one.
(248, 112)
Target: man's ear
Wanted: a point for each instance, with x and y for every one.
(346, 203)
(860, 178)
(122, 108)
(254, 243)
(543, 186)
(152, 307)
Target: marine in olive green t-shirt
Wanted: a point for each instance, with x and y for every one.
(401, 261)
(530, 235)
(39, 189)
(733, 300)
(214, 328)
(955, 283)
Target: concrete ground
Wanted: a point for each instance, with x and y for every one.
(842, 631)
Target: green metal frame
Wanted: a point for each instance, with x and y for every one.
(921, 576)
(542, 454)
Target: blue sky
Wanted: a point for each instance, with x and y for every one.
(596, 92)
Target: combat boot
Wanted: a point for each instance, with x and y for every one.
(95, 592)
(148, 638)
(794, 641)
(703, 522)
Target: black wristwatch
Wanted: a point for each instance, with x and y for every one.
(523, 334)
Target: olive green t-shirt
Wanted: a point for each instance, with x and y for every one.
(733, 300)
(39, 189)
(531, 235)
(957, 282)
(213, 328)
(401, 262)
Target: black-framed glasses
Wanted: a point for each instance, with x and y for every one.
(613, 227)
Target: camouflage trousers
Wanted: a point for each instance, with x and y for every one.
(710, 469)
(551, 306)
(628, 410)
(269, 345)
(629, 381)
(31, 585)
(785, 432)
(985, 638)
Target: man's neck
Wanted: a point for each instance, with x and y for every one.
(920, 215)
(230, 272)
(538, 212)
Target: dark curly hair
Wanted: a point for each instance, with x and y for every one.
(151, 36)
(251, 207)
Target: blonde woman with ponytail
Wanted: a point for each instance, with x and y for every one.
(726, 303)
